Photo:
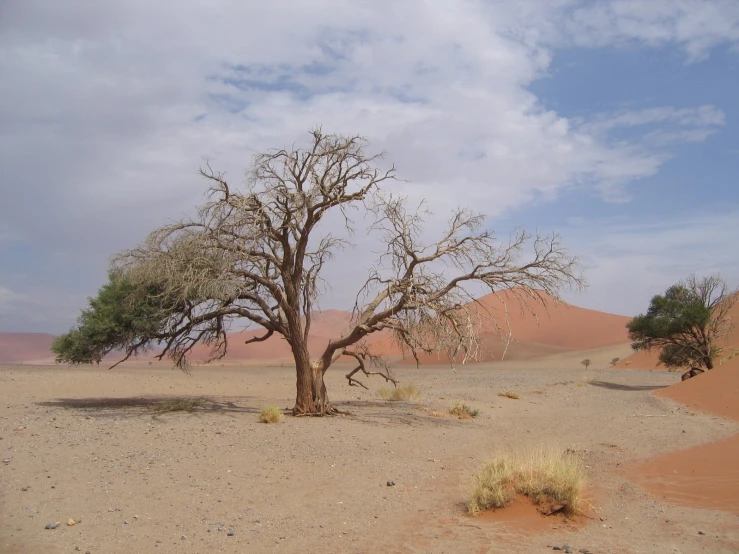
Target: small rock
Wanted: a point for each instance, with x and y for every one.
(24, 489)
(71, 522)
(51, 525)
(701, 532)
(77, 549)
(6, 461)
(556, 548)
(230, 534)
(391, 483)
(584, 551)
(183, 537)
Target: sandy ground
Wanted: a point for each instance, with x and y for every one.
(85, 444)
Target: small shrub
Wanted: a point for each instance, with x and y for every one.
(270, 414)
(463, 411)
(553, 482)
(614, 361)
(406, 392)
(179, 405)
(510, 394)
(437, 413)
(586, 362)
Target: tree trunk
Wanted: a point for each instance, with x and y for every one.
(312, 397)
(708, 362)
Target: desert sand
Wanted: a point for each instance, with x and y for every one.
(86, 444)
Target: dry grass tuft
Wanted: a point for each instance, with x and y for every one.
(437, 413)
(270, 414)
(552, 480)
(510, 394)
(179, 405)
(463, 411)
(406, 392)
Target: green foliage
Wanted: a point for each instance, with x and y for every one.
(685, 323)
(122, 317)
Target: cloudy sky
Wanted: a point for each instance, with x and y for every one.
(615, 123)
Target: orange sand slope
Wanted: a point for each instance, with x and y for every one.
(705, 476)
(649, 360)
(716, 391)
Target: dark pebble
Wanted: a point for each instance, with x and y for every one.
(50, 526)
(556, 548)
(391, 483)
(230, 533)
(584, 551)
(701, 532)
(183, 537)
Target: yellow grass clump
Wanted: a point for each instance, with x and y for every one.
(463, 411)
(406, 392)
(551, 480)
(510, 394)
(270, 414)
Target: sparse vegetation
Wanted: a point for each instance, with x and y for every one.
(463, 411)
(586, 362)
(551, 480)
(270, 414)
(510, 394)
(179, 405)
(406, 392)
(614, 361)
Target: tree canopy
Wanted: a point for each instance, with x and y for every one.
(686, 322)
(256, 254)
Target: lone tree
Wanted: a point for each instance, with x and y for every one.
(614, 361)
(257, 254)
(686, 322)
(586, 362)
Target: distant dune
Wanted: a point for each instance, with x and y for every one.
(25, 347)
(560, 328)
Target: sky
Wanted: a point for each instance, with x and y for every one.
(613, 123)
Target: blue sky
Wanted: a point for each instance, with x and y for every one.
(615, 123)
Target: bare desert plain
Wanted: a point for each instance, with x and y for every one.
(99, 447)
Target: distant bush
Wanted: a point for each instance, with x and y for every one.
(510, 394)
(270, 414)
(586, 362)
(463, 411)
(406, 392)
(553, 481)
(614, 361)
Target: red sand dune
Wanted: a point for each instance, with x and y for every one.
(20, 347)
(559, 328)
(706, 476)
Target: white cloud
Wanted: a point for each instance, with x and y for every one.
(640, 259)
(108, 108)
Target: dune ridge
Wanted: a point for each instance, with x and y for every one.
(552, 328)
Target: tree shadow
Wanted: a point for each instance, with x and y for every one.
(619, 386)
(384, 413)
(152, 405)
